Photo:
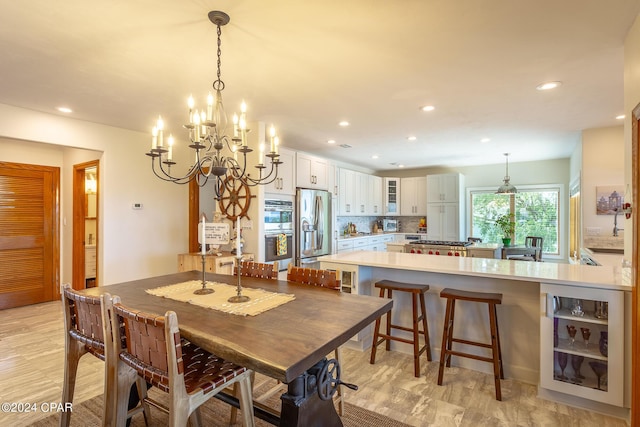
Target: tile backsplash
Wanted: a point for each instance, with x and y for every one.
(364, 224)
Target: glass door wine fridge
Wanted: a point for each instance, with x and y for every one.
(582, 342)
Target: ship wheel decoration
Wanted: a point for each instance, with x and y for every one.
(235, 199)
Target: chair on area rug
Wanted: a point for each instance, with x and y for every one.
(325, 279)
(262, 271)
(151, 347)
(85, 331)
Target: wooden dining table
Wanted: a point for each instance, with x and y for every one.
(289, 342)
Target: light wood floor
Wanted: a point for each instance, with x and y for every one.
(31, 361)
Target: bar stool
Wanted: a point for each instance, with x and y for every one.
(417, 292)
(447, 335)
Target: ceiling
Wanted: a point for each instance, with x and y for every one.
(306, 65)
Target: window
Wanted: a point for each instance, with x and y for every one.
(536, 210)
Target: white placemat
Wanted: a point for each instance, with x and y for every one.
(260, 300)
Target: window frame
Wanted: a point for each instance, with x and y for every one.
(560, 188)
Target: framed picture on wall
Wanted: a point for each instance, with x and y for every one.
(608, 199)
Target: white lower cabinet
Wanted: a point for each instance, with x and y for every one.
(589, 364)
(345, 246)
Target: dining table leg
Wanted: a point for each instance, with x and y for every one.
(302, 405)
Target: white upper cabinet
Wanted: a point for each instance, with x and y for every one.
(311, 172)
(374, 200)
(333, 179)
(346, 192)
(359, 194)
(285, 182)
(414, 196)
(391, 196)
(444, 188)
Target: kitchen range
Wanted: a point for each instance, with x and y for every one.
(437, 247)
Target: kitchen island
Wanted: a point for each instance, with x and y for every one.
(526, 317)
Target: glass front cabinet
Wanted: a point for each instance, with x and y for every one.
(581, 342)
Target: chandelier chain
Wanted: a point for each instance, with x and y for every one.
(218, 85)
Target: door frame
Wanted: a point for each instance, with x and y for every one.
(79, 214)
(635, 263)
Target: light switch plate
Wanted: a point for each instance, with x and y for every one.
(136, 206)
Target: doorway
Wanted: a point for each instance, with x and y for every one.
(29, 234)
(85, 224)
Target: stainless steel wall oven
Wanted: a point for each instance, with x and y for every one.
(278, 224)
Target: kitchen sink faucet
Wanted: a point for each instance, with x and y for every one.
(615, 224)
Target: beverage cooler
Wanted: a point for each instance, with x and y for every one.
(582, 342)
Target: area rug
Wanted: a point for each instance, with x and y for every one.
(214, 414)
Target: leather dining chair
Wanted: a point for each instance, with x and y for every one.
(258, 269)
(151, 347)
(87, 332)
(262, 271)
(326, 279)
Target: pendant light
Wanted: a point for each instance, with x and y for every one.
(507, 187)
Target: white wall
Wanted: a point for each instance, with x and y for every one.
(602, 165)
(134, 243)
(631, 100)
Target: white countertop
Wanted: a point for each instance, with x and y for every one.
(606, 277)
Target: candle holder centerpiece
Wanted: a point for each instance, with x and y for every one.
(238, 297)
(203, 253)
(204, 290)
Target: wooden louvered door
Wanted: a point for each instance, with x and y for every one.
(29, 234)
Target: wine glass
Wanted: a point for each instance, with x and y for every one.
(599, 369)
(577, 308)
(586, 333)
(562, 362)
(572, 333)
(576, 363)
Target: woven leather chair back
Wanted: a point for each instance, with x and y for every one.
(311, 276)
(258, 269)
(85, 320)
(143, 340)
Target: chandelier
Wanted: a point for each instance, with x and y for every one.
(507, 187)
(208, 137)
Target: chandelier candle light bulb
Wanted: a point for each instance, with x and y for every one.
(170, 153)
(160, 127)
(154, 138)
(190, 103)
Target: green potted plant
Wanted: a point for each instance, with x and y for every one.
(506, 224)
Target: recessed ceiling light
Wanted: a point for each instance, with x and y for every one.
(331, 141)
(411, 138)
(400, 166)
(65, 110)
(485, 140)
(620, 117)
(548, 85)
(428, 108)
(375, 156)
(344, 123)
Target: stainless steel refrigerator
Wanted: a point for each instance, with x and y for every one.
(313, 226)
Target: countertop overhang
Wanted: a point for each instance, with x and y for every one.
(605, 277)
